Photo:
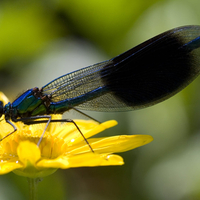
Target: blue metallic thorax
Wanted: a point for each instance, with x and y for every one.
(26, 105)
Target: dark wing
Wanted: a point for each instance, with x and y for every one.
(143, 76)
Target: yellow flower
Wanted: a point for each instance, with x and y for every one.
(62, 147)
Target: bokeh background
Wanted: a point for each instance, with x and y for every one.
(41, 40)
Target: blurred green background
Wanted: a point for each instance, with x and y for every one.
(41, 40)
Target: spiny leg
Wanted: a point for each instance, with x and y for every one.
(61, 120)
(27, 120)
(86, 115)
(72, 121)
(44, 130)
(14, 127)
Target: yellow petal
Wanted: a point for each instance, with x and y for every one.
(3, 98)
(84, 160)
(112, 160)
(120, 143)
(88, 130)
(7, 167)
(112, 144)
(93, 159)
(101, 127)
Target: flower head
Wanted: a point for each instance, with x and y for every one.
(62, 147)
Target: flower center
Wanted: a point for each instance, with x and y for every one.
(50, 146)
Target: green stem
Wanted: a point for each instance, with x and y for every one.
(33, 182)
